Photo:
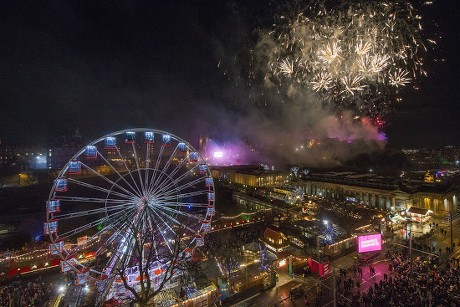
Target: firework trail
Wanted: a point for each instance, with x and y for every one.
(352, 54)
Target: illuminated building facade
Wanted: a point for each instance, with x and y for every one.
(250, 176)
(439, 199)
(382, 192)
(275, 239)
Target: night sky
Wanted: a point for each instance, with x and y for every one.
(103, 66)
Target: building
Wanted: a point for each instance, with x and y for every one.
(32, 158)
(384, 193)
(439, 198)
(7, 156)
(275, 240)
(62, 150)
(250, 176)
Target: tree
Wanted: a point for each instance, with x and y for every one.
(231, 265)
(154, 260)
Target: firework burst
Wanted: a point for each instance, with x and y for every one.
(355, 54)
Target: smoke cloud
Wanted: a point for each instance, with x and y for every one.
(281, 124)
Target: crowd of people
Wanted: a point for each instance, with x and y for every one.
(422, 282)
(25, 294)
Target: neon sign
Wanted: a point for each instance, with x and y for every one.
(369, 243)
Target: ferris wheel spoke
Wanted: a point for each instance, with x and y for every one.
(166, 185)
(87, 226)
(174, 185)
(80, 229)
(118, 233)
(189, 194)
(119, 256)
(160, 214)
(166, 182)
(129, 171)
(178, 167)
(165, 240)
(89, 212)
(153, 225)
(104, 244)
(107, 179)
(122, 244)
(89, 199)
(173, 219)
(98, 188)
(182, 187)
(113, 236)
(147, 166)
(165, 167)
(171, 174)
(184, 214)
(138, 169)
(117, 219)
(165, 224)
(117, 172)
(181, 204)
(157, 165)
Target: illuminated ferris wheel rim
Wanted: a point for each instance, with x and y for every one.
(146, 195)
(120, 132)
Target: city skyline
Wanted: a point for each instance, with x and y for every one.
(102, 68)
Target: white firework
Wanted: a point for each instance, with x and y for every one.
(379, 63)
(322, 81)
(352, 84)
(347, 52)
(363, 48)
(399, 78)
(286, 67)
(330, 53)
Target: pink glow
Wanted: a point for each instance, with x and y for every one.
(369, 243)
(227, 153)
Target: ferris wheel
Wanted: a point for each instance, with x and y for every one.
(143, 179)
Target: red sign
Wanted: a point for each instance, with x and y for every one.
(318, 267)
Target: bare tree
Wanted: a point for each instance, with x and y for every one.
(155, 260)
(231, 265)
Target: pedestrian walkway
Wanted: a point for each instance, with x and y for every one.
(280, 295)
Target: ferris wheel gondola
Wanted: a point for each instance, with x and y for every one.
(123, 179)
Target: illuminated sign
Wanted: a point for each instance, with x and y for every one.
(218, 154)
(369, 243)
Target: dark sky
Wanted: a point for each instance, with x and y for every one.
(430, 116)
(104, 66)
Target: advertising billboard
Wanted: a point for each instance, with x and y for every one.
(369, 243)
